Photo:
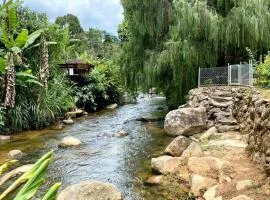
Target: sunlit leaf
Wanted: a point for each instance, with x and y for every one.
(32, 38)
(22, 38)
(5, 166)
(52, 193)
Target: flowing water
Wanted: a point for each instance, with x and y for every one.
(124, 162)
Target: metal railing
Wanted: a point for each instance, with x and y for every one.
(241, 74)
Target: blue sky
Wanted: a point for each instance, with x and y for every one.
(102, 14)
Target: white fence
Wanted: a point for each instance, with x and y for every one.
(241, 74)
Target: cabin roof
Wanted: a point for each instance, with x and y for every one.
(76, 63)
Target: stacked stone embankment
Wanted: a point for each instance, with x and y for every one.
(213, 131)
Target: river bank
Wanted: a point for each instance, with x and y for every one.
(221, 145)
(122, 161)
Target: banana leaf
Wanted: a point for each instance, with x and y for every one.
(52, 193)
(33, 184)
(5, 166)
(26, 176)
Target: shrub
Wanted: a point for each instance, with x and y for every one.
(263, 73)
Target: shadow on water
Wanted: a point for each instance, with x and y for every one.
(124, 162)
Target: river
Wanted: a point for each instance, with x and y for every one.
(124, 162)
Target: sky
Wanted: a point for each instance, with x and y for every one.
(101, 14)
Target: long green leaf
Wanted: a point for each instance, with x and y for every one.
(52, 193)
(33, 184)
(5, 166)
(2, 64)
(26, 176)
(22, 38)
(32, 38)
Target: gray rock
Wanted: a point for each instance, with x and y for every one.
(210, 194)
(199, 184)
(121, 133)
(193, 149)
(112, 106)
(155, 180)
(68, 121)
(178, 146)
(91, 190)
(4, 137)
(185, 121)
(166, 164)
(70, 142)
(15, 154)
(245, 184)
(209, 133)
(226, 128)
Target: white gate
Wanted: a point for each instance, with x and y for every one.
(241, 74)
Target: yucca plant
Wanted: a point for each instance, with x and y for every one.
(33, 179)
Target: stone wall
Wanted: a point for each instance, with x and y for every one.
(238, 108)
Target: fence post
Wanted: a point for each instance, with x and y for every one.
(199, 77)
(250, 73)
(229, 74)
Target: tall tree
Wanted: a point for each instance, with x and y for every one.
(72, 21)
(169, 40)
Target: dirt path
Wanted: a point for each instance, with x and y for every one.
(245, 177)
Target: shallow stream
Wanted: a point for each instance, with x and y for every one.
(124, 162)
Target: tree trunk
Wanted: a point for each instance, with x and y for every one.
(44, 62)
(9, 82)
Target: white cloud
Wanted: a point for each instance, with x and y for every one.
(102, 14)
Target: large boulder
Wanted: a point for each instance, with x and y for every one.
(166, 164)
(70, 142)
(178, 146)
(91, 190)
(185, 121)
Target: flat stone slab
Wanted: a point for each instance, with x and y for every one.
(228, 143)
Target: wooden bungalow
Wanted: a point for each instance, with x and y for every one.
(76, 67)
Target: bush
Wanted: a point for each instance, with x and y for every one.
(263, 73)
(102, 88)
(38, 108)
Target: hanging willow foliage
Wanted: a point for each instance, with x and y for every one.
(169, 40)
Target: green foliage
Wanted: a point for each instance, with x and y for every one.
(72, 21)
(52, 193)
(263, 73)
(4, 167)
(101, 88)
(32, 181)
(167, 41)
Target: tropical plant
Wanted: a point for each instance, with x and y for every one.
(14, 45)
(32, 181)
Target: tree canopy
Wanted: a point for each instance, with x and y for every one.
(71, 21)
(169, 40)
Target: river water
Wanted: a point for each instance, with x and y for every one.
(124, 162)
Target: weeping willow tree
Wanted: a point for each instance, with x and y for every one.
(169, 40)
